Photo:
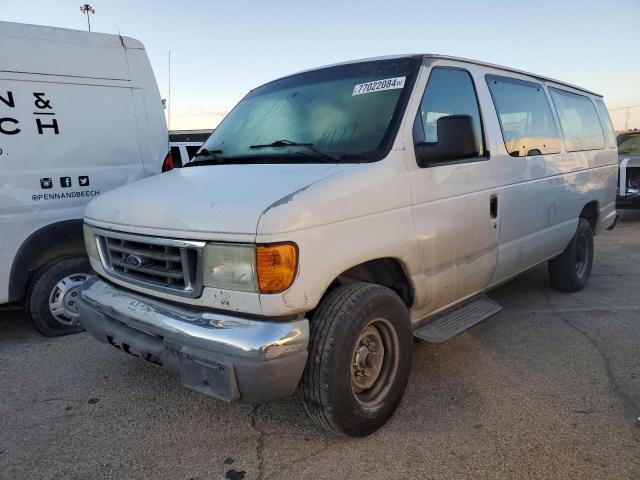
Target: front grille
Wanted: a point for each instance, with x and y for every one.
(163, 264)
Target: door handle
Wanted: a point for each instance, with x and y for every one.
(493, 206)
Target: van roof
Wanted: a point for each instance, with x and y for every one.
(43, 32)
(35, 49)
(460, 59)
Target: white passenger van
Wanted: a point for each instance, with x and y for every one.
(80, 114)
(337, 213)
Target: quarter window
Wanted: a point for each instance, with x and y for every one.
(580, 125)
(605, 120)
(449, 91)
(525, 116)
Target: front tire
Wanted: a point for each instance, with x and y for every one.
(359, 359)
(570, 270)
(51, 300)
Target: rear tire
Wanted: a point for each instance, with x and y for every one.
(570, 270)
(359, 359)
(51, 299)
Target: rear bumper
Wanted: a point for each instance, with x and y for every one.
(225, 356)
(631, 199)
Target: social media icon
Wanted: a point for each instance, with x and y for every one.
(83, 181)
(65, 182)
(46, 183)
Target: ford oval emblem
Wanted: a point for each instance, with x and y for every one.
(133, 260)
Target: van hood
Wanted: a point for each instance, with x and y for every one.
(210, 200)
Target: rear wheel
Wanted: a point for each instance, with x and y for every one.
(359, 359)
(52, 298)
(570, 270)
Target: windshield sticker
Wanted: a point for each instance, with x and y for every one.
(378, 86)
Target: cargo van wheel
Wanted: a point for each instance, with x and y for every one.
(359, 359)
(52, 297)
(570, 270)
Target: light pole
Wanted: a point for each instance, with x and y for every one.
(86, 9)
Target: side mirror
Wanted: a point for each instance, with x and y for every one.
(456, 141)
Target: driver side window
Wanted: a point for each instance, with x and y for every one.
(449, 91)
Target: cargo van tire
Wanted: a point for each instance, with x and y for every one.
(359, 359)
(570, 270)
(53, 289)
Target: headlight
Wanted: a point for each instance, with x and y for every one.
(230, 267)
(250, 268)
(90, 242)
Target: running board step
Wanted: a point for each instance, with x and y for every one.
(450, 323)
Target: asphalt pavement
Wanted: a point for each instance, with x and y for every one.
(547, 388)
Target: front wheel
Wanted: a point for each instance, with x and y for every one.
(52, 298)
(570, 270)
(359, 359)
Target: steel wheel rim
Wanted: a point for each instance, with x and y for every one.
(63, 303)
(376, 354)
(582, 255)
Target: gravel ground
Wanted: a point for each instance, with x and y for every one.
(547, 388)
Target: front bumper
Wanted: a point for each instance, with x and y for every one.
(226, 356)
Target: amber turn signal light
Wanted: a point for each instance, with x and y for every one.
(276, 266)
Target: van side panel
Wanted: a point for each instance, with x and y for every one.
(152, 127)
(65, 144)
(542, 198)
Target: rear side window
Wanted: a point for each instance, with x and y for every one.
(605, 121)
(525, 116)
(580, 125)
(449, 91)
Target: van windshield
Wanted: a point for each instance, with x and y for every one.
(629, 144)
(345, 113)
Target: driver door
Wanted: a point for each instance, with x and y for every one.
(455, 202)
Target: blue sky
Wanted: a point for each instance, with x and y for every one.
(220, 50)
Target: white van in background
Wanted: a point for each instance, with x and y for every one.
(80, 114)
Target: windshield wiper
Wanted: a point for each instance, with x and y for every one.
(209, 157)
(289, 143)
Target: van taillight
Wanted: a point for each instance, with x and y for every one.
(168, 162)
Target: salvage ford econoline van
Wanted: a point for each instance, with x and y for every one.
(337, 213)
(80, 114)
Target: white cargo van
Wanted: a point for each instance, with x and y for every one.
(80, 114)
(337, 213)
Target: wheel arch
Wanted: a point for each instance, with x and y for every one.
(56, 240)
(591, 212)
(386, 271)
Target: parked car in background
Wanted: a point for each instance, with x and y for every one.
(337, 213)
(80, 114)
(185, 143)
(629, 173)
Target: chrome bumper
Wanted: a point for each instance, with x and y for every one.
(226, 356)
